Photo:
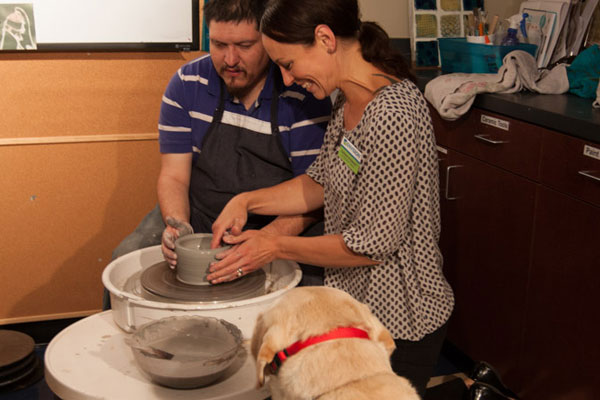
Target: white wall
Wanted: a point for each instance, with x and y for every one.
(502, 8)
(392, 15)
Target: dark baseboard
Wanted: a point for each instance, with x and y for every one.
(41, 331)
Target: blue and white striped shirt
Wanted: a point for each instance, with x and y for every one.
(192, 96)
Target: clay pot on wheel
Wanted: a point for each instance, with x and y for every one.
(194, 257)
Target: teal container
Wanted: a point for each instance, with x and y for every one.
(458, 55)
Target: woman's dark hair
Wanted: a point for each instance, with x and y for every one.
(234, 11)
(294, 21)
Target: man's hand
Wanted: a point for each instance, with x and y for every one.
(174, 230)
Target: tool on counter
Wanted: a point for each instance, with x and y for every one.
(483, 27)
(493, 24)
(149, 351)
(471, 19)
(478, 24)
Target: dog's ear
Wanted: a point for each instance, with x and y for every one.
(377, 331)
(385, 337)
(257, 335)
(265, 355)
(262, 347)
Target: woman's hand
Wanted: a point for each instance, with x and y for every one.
(251, 250)
(231, 220)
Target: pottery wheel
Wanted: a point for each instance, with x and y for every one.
(160, 280)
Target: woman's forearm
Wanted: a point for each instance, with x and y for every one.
(324, 251)
(256, 248)
(299, 195)
(295, 196)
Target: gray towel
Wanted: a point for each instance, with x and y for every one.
(452, 95)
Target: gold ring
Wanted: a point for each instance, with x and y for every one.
(240, 272)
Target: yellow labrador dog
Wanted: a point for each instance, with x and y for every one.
(319, 343)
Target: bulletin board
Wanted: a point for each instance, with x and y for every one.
(99, 25)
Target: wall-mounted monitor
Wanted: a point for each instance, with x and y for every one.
(100, 25)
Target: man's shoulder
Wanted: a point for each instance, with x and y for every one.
(199, 68)
(295, 93)
(296, 96)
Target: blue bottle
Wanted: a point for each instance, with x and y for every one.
(511, 38)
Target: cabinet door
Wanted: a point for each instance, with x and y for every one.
(444, 130)
(561, 346)
(572, 166)
(487, 220)
(492, 138)
(505, 142)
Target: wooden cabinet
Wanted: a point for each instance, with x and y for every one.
(560, 349)
(520, 230)
(487, 219)
(488, 191)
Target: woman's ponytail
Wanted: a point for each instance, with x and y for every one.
(376, 49)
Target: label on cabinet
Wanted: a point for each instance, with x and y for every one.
(591, 152)
(495, 122)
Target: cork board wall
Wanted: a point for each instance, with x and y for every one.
(79, 158)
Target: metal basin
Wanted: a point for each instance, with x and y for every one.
(199, 350)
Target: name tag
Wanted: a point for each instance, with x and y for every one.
(495, 122)
(591, 152)
(349, 155)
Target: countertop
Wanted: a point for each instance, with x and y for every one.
(566, 113)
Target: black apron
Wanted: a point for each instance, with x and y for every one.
(234, 160)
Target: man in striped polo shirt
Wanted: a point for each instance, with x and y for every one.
(228, 125)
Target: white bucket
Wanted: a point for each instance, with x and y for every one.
(130, 310)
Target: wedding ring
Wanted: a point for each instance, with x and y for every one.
(240, 272)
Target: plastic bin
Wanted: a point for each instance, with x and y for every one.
(458, 55)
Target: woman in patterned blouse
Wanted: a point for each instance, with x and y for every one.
(376, 177)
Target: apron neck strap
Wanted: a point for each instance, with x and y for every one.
(218, 114)
(274, 109)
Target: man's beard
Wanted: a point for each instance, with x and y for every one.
(250, 82)
(236, 91)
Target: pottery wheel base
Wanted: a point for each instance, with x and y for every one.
(89, 360)
(160, 280)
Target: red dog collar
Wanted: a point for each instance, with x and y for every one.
(338, 333)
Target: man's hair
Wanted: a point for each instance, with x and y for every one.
(234, 11)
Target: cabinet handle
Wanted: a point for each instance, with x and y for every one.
(589, 174)
(446, 194)
(485, 138)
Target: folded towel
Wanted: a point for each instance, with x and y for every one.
(597, 102)
(452, 95)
